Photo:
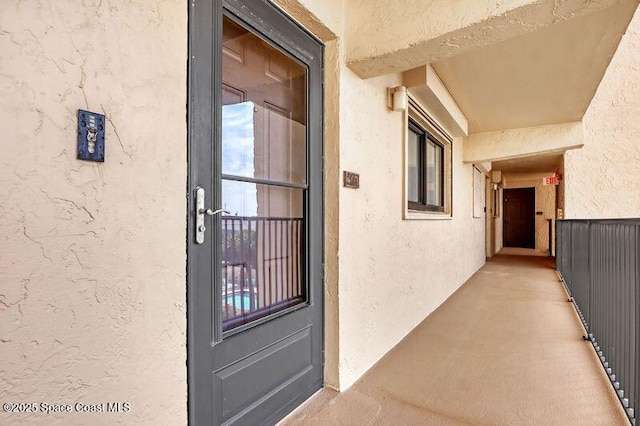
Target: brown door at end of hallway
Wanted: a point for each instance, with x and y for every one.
(519, 218)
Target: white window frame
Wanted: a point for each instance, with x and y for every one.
(479, 193)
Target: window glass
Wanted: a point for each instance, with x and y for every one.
(413, 168)
(432, 188)
(438, 175)
(425, 169)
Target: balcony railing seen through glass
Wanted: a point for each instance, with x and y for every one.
(262, 271)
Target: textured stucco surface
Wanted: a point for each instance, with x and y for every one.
(375, 261)
(545, 76)
(514, 143)
(324, 19)
(328, 29)
(393, 272)
(92, 256)
(497, 222)
(332, 213)
(603, 178)
(561, 186)
(386, 36)
(92, 260)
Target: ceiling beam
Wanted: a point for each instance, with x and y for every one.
(517, 143)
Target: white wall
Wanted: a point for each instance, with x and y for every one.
(393, 272)
(381, 292)
(92, 260)
(602, 179)
(92, 255)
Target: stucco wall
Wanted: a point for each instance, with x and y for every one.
(393, 272)
(390, 36)
(92, 259)
(380, 294)
(561, 188)
(92, 264)
(325, 20)
(602, 179)
(515, 143)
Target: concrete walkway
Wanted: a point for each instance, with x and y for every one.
(505, 349)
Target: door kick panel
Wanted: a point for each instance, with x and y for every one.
(274, 365)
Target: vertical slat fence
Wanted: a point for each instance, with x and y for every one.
(599, 263)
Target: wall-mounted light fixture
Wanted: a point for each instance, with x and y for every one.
(397, 99)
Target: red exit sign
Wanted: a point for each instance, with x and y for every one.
(551, 180)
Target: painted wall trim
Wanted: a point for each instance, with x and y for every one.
(320, 28)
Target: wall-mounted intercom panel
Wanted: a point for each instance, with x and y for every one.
(90, 136)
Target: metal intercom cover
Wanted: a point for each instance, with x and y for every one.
(90, 136)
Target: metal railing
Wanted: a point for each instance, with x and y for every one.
(599, 263)
(262, 268)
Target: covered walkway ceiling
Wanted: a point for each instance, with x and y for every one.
(508, 64)
(543, 77)
(531, 164)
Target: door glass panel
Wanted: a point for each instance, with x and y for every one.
(413, 169)
(262, 251)
(264, 170)
(264, 113)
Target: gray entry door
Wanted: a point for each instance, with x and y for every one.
(255, 231)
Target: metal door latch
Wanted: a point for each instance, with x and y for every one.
(201, 212)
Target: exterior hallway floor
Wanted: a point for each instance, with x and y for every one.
(505, 349)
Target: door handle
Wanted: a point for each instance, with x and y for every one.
(201, 212)
(210, 212)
